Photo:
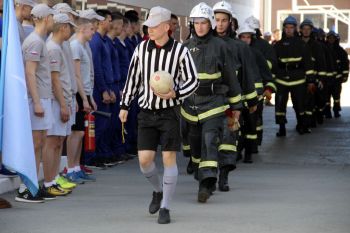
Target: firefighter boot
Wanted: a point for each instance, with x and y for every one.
(189, 168)
(223, 180)
(282, 131)
(204, 191)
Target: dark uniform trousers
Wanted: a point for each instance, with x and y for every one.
(298, 93)
(259, 121)
(204, 139)
(248, 134)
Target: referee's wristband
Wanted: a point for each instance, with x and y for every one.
(124, 107)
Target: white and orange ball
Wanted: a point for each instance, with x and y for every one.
(161, 82)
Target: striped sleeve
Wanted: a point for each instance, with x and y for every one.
(133, 81)
(188, 76)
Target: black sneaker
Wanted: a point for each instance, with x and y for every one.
(154, 206)
(164, 216)
(27, 197)
(45, 195)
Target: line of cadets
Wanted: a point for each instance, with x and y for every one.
(236, 72)
(75, 63)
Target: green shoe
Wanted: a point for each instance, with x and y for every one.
(64, 183)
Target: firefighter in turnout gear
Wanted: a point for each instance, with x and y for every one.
(340, 75)
(330, 73)
(241, 59)
(294, 74)
(315, 98)
(264, 86)
(218, 91)
(258, 43)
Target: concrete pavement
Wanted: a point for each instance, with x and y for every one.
(298, 184)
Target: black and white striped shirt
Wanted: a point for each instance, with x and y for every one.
(174, 58)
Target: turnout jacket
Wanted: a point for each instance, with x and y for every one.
(219, 88)
(295, 65)
(241, 59)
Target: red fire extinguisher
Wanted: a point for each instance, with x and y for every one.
(89, 138)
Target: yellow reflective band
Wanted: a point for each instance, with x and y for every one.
(188, 116)
(291, 59)
(195, 160)
(203, 76)
(251, 136)
(330, 74)
(260, 97)
(338, 76)
(234, 100)
(273, 76)
(259, 85)
(293, 83)
(301, 113)
(250, 96)
(313, 59)
(322, 73)
(212, 112)
(310, 72)
(186, 147)
(208, 164)
(227, 147)
(308, 113)
(345, 72)
(280, 113)
(236, 72)
(269, 64)
(272, 85)
(335, 72)
(259, 128)
(338, 61)
(336, 101)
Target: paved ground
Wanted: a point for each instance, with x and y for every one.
(298, 184)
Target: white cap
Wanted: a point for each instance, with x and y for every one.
(157, 15)
(252, 22)
(202, 10)
(267, 34)
(31, 3)
(91, 14)
(64, 8)
(223, 7)
(245, 28)
(42, 10)
(63, 18)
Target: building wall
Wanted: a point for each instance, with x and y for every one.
(287, 5)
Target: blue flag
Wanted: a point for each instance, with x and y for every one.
(16, 133)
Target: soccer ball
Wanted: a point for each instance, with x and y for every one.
(161, 82)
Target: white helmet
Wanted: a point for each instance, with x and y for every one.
(245, 28)
(202, 10)
(223, 7)
(252, 22)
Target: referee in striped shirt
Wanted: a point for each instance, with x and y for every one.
(159, 118)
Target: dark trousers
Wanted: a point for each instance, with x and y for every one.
(115, 128)
(298, 93)
(204, 139)
(334, 88)
(248, 135)
(103, 148)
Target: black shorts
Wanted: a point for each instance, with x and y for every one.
(159, 127)
(80, 115)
